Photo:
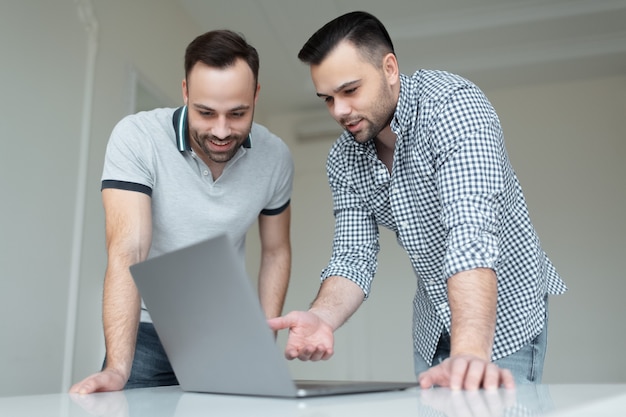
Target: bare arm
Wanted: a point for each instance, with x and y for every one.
(275, 266)
(473, 300)
(336, 301)
(473, 297)
(128, 236)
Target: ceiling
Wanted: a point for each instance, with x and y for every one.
(495, 43)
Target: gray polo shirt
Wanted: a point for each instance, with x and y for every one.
(149, 152)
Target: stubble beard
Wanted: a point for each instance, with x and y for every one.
(202, 140)
(381, 115)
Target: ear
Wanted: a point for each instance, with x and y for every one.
(185, 91)
(390, 68)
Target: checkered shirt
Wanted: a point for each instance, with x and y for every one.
(453, 201)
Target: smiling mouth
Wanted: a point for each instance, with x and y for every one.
(351, 125)
(220, 144)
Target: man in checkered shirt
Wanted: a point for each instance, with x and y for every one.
(424, 156)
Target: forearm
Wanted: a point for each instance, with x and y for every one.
(120, 315)
(336, 301)
(128, 235)
(473, 300)
(275, 261)
(274, 280)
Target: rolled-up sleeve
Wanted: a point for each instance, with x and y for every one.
(470, 180)
(355, 242)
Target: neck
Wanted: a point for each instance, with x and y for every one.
(385, 146)
(386, 138)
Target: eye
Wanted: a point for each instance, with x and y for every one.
(238, 114)
(350, 91)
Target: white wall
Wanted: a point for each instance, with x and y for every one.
(57, 113)
(38, 165)
(566, 141)
(568, 144)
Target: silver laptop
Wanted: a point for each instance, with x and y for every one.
(214, 332)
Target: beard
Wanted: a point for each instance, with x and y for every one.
(372, 126)
(210, 145)
(380, 116)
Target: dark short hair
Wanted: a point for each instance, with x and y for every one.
(220, 49)
(362, 29)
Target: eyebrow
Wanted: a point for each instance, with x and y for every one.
(236, 108)
(341, 87)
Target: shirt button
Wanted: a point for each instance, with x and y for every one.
(415, 257)
(404, 224)
(205, 172)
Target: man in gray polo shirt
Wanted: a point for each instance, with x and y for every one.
(173, 177)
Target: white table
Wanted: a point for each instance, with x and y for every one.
(540, 400)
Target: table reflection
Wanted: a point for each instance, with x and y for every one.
(525, 400)
(530, 400)
(152, 402)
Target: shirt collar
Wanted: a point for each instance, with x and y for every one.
(181, 128)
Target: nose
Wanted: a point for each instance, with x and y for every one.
(221, 129)
(340, 109)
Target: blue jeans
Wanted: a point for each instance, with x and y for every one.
(526, 364)
(151, 367)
